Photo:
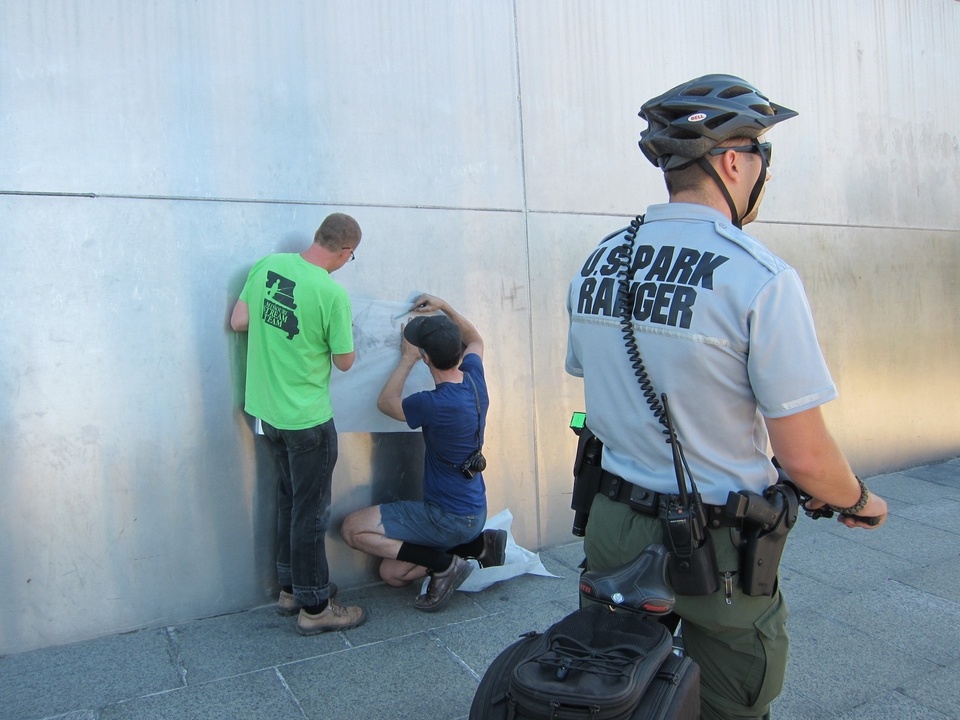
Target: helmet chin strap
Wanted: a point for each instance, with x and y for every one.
(754, 194)
(761, 179)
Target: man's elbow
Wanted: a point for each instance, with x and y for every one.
(345, 361)
(240, 317)
(475, 347)
(392, 408)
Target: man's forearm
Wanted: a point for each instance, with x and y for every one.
(468, 332)
(811, 457)
(390, 402)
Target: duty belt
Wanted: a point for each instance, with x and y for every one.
(648, 502)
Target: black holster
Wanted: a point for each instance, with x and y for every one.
(586, 478)
(767, 520)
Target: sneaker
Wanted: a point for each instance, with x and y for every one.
(287, 604)
(494, 548)
(334, 617)
(443, 584)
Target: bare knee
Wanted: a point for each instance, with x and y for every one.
(393, 580)
(398, 573)
(390, 573)
(350, 529)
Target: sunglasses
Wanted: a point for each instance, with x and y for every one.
(764, 148)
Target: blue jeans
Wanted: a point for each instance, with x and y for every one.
(305, 460)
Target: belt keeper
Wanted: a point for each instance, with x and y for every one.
(614, 487)
(716, 516)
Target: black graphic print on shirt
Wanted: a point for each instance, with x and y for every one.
(664, 295)
(278, 306)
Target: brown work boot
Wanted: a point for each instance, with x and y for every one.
(333, 617)
(494, 548)
(443, 584)
(287, 604)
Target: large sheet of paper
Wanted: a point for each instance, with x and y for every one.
(376, 338)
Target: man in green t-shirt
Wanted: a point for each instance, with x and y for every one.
(302, 325)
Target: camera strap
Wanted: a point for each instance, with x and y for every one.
(479, 440)
(476, 399)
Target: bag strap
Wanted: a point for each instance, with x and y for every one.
(476, 399)
(479, 440)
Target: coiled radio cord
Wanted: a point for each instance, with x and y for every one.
(625, 310)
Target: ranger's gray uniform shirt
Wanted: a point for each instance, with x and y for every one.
(724, 329)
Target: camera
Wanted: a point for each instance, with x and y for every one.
(474, 464)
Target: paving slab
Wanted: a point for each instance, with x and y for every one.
(478, 642)
(840, 559)
(408, 678)
(940, 578)
(939, 690)
(923, 623)
(243, 642)
(843, 667)
(894, 706)
(86, 675)
(946, 473)
(253, 696)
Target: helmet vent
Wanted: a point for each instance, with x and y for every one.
(696, 91)
(762, 109)
(734, 91)
(714, 123)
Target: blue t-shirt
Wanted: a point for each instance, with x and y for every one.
(450, 422)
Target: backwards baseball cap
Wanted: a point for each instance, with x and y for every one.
(438, 336)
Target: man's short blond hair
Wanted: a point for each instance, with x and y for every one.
(337, 231)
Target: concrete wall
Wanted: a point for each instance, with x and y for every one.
(150, 152)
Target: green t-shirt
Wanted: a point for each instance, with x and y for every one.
(299, 316)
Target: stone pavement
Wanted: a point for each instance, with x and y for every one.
(875, 625)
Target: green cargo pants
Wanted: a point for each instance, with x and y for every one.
(741, 647)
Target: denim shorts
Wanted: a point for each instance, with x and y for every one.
(426, 523)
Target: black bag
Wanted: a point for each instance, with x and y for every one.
(594, 664)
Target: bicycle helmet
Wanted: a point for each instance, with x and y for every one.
(687, 122)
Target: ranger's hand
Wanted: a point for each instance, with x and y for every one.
(875, 511)
(872, 516)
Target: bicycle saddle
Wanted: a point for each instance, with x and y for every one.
(639, 585)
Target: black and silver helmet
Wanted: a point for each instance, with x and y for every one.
(687, 122)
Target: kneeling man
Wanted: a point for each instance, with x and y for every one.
(436, 535)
